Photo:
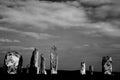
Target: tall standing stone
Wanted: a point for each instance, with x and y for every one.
(34, 67)
(27, 69)
(42, 65)
(53, 60)
(107, 65)
(13, 62)
(91, 69)
(83, 68)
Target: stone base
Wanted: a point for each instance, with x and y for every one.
(53, 72)
(43, 72)
(83, 73)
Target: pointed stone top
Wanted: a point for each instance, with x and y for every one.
(82, 62)
(35, 49)
(54, 48)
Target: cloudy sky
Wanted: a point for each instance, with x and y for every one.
(82, 30)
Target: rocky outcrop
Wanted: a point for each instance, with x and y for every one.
(13, 62)
(107, 65)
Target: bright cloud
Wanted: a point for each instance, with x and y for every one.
(108, 29)
(17, 47)
(39, 35)
(8, 40)
(47, 15)
(30, 34)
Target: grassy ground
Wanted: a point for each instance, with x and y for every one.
(62, 75)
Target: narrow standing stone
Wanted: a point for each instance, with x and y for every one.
(34, 68)
(83, 68)
(53, 60)
(91, 69)
(42, 65)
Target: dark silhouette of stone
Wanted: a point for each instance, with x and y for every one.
(42, 65)
(34, 68)
(91, 70)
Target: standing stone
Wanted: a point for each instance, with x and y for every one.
(107, 65)
(83, 68)
(34, 68)
(27, 69)
(42, 65)
(53, 60)
(13, 62)
(91, 69)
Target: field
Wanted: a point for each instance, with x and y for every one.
(62, 75)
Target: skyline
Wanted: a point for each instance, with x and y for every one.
(37, 59)
(78, 33)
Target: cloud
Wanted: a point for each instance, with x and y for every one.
(96, 1)
(28, 48)
(82, 46)
(115, 46)
(45, 15)
(48, 15)
(100, 1)
(8, 29)
(30, 34)
(9, 40)
(17, 47)
(40, 36)
(107, 28)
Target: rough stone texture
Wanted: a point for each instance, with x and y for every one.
(42, 65)
(13, 62)
(53, 60)
(83, 68)
(107, 65)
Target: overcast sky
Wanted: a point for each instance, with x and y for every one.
(82, 30)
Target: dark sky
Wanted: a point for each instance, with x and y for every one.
(81, 30)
